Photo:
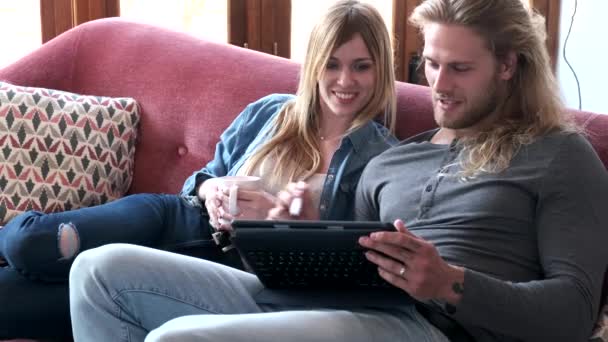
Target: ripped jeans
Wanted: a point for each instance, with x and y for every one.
(40, 249)
(43, 246)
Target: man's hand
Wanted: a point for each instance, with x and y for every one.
(414, 265)
(285, 199)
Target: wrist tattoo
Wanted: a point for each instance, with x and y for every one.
(458, 288)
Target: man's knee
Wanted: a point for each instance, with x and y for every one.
(177, 329)
(161, 335)
(99, 261)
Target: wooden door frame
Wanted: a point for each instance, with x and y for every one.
(260, 25)
(407, 40)
(551, 10)
(57, 16)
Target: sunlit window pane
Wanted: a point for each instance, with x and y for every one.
(305, 14)
(202, 18)
(21, 23)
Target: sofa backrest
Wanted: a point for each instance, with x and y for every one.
(189, 90)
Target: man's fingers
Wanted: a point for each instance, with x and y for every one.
(392, 278)
(390, 264)
(405, 240)
(390, 270)
(400, 225)
(389, 250)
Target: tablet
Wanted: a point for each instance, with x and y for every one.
(309, 254)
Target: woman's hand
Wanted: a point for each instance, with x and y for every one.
(285, 199)
(212, 197)
(414, 265)
(251, 204)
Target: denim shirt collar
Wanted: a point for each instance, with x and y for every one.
(363, 136)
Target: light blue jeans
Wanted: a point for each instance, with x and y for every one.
(130, 293)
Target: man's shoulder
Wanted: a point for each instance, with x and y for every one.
(561, 140)
(569, 147)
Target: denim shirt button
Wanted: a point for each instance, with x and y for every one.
(322, 207)
(330, 177)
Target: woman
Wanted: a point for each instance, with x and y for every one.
(323, 135)
(346, 78)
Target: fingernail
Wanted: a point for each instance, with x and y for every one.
(295, 208)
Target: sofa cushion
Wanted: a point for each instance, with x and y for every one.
(61, 151)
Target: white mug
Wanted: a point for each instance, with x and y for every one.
(233, 184)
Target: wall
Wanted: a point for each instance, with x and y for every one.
(587, 52)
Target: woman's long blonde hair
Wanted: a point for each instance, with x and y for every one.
(533, 106)
(294, 148)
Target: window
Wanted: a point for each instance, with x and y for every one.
(263, 25)
(305, 13)
(23, 18)
(202, 18)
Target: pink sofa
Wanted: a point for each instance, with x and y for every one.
(189, 91)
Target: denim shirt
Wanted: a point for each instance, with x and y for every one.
(254, 126)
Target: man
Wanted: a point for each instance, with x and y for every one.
(500, 211)
(503, 202)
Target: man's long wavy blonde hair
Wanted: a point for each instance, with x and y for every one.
(533, 106)
(294, 148)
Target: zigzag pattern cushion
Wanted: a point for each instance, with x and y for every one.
(62, 151)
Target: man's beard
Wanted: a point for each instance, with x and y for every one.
(482, 107)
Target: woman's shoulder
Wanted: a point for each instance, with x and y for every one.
(265, 108)
(382, 133)
(273, 100)
(371, 139)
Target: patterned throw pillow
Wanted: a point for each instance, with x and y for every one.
(62, 151)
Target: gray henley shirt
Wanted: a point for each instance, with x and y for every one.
(532, 238)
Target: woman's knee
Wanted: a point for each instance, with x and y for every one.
(19, 235)
(29, 240)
